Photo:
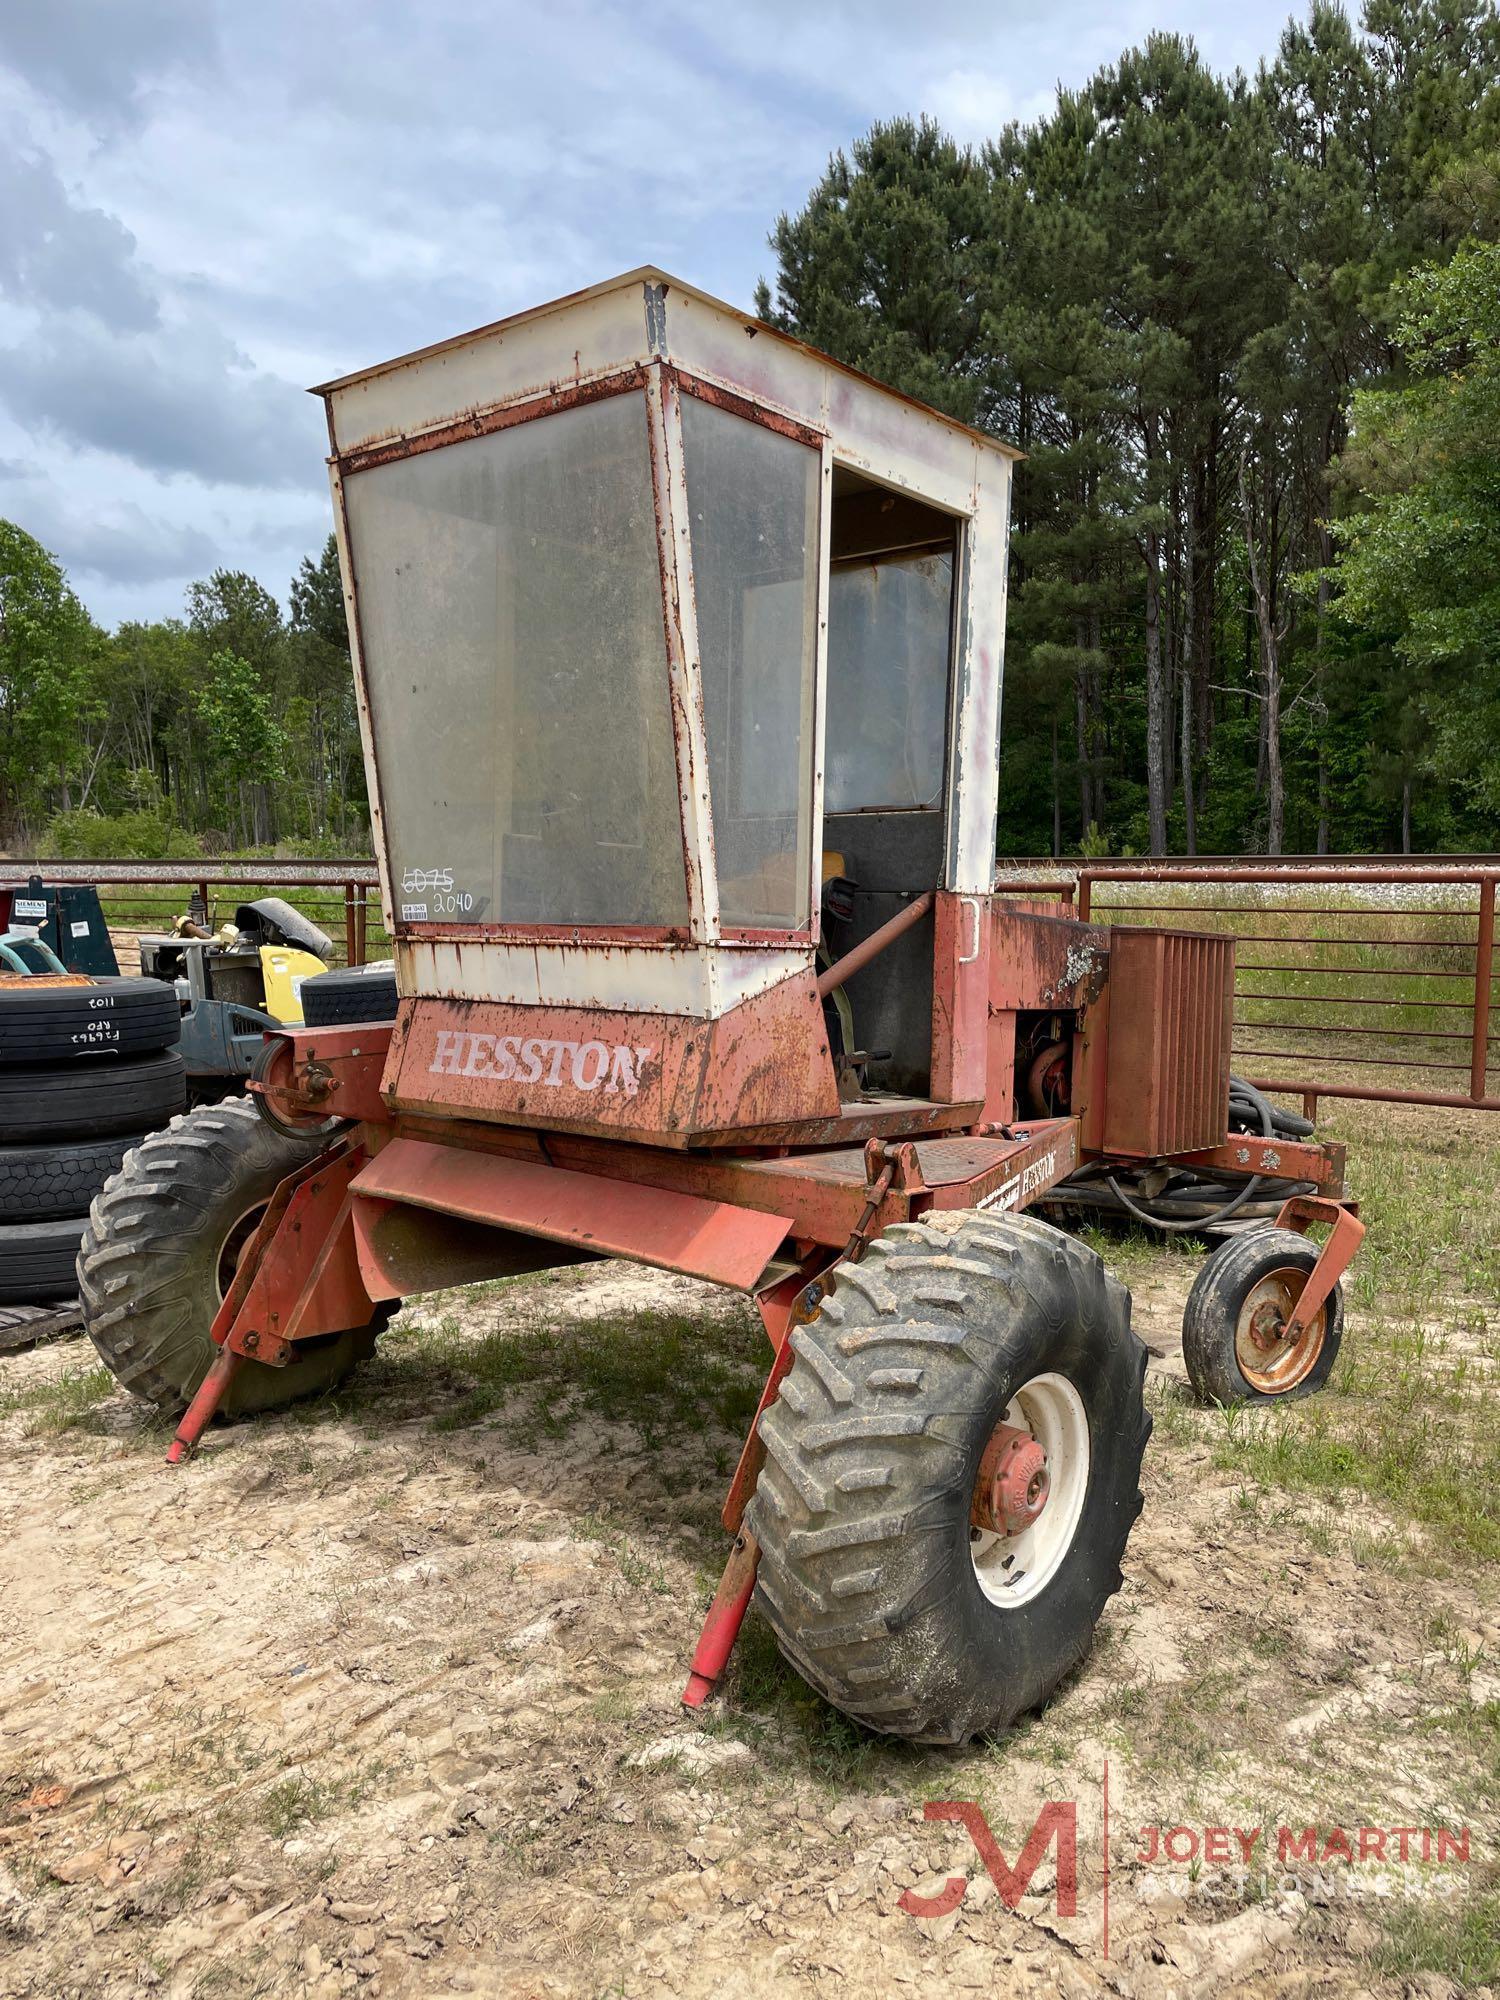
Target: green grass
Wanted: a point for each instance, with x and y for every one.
(301, 1799)
(666, 1375)
(1460, 1940)
(67, 1404)
(1134, 1252)
(1425, 1469)
(641, 1571)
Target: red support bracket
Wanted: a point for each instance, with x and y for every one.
(199, 1413)
(1335, 1257)
(783, 1306)
(725, 1616)
(297, 1276)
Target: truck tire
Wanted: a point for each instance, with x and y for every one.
(38, 1183)
(1233, 1359)
(160, 1249)
(90, 1100)
(348, 999)
(879, 1588)
(37, 1261)
(44, 1021)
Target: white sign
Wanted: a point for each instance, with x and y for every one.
(78, 930)
(27, 906)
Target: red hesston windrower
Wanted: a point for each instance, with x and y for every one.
(678, 654)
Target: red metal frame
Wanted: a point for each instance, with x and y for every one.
(484, 423)
(311, 1285)
(775, 1219)
(1345, 1236)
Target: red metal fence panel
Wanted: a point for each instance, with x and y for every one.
(1355, 978)
(341, 897)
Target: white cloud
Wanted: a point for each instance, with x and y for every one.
(204, 205)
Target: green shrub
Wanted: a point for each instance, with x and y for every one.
(142, 835)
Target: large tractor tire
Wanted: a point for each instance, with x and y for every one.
(906, 1394)
(163, 1239)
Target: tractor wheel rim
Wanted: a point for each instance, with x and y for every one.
(1269, 1361)
(232, 1248)
(1013, 1569)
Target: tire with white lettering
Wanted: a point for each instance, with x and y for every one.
(78, 1020)
(160, 1249)
(952, 1473)
(351, 997)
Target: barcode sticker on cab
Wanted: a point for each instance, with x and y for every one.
(413, 913)
(78, 930)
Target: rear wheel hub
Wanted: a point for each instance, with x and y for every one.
(1013, 1482)
(1029, 1491)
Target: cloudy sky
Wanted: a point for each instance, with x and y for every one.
(206, 205)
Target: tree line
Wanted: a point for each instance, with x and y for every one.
(229, 729)
(1245, 331)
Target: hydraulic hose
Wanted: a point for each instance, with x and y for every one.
(1254, 1101)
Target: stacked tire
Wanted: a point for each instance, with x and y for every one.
(351, 997)
(87, 1067)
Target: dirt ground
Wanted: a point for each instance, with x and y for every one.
(380, 1697)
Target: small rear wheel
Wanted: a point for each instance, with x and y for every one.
(163, 1239)
(952, 1473)
(1234, 1328)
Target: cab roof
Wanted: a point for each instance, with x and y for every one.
(646, 278)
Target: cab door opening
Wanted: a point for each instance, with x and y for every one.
(885, 770)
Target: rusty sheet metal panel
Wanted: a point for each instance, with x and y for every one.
(647, 314)
(651, 1225)
(1040, 961)
(568, 342)
(405, 1251)
(638, 978)
(890, 436)
(978, 677)
(765, 1063)
(1171, 1018)
(960, 997)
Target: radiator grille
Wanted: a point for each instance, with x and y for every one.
(1171, 1015)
